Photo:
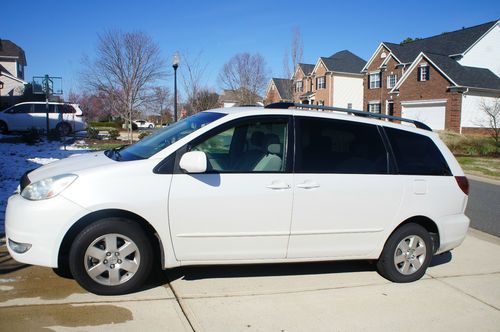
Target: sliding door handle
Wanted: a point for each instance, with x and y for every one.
(308, 185)
(278, 185)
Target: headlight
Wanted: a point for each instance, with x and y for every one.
(48, 188)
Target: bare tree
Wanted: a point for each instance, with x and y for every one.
(245, 75)
(292, 59)
(124, 69)
(203, 100)
(192, 73)
(160, 101)
(293, 56)
(492, 112)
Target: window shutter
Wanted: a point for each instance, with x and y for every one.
(418, 73)
(368, 81)
(380, 78)
(428, 73)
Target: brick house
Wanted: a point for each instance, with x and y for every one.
(12, 63)
(441, 80)
(279, 90)
(332, 81)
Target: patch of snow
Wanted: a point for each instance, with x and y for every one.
(17, 158)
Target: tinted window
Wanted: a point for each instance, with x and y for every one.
(64, 108)
(335, 146)
(416, 154)
(24, 108)
(42, 108)
(257, 146)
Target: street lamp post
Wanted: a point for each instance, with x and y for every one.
(175, 65)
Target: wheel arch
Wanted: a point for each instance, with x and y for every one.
(92, 217)
(426, 223)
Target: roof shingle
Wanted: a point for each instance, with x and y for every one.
(8, 48)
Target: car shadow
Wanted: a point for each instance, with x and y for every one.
(191, 273)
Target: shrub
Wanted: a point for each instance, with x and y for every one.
(54, 135)
(104, 124)
(32, 136)
(144, 134)
(92, 133)
(113, 134)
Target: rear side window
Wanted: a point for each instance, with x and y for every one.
(416, 154)
(42, 108)
(24, 108)
(336, 146)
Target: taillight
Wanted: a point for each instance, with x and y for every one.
(463, 183)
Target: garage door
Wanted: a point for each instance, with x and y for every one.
(430, 113)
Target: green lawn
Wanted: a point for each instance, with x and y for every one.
(489, 167)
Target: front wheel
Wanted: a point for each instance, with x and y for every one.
(110, 257)
(406, 255)
(4, 129)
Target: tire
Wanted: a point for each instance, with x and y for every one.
(4, 129)
(103, 269)
(63, 128)
(150, 126)
(406, 254)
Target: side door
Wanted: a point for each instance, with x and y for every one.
(344, 195)
(19, 118)
(240, 209)
(39, 116)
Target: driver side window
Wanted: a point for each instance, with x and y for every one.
(257, 146)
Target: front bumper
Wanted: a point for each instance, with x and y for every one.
(42, 224)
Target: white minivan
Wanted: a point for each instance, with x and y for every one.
(245, 185)
(64, 117)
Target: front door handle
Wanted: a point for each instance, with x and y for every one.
(278, 185)
(308, 184)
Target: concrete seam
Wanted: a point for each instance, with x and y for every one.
(179, 301)
(464, 292)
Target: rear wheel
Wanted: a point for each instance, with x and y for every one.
(4, 129)
(112, 256)
(64, 129)
(406, 255)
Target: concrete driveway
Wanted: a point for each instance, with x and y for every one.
(460, 292)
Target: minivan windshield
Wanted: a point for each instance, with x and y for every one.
(162, 138)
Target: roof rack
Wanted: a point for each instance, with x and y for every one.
(285, 105)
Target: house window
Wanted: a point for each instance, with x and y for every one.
(374, 108)
(423, 73)
(391, 81)
(349, 105)
(374, 80)
(321, 102)
(298, 86)
(320, 83)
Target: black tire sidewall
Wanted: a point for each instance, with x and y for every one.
(63, 126)
(4, 129)
(121, 226)
(385, 263)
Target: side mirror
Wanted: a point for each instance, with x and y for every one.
(194, 162)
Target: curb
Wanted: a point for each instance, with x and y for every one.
(482, 179)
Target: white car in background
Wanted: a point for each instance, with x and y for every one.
(245, 185)
(142, 124)
(64, 117)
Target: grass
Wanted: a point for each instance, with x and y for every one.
(489, 167)
(462, 145)
(99, 145)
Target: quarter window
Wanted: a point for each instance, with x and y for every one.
(416, 154)
(335, 146)
(253, 147)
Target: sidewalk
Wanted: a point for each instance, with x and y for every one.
(461, 292)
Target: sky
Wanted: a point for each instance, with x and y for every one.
(55, 35)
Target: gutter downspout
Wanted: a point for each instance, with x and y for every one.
(463, 96)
